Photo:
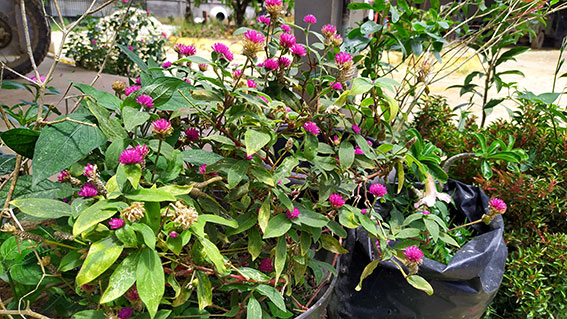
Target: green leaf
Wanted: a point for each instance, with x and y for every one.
(281, 255)
(217, 220)
(360, 85)
(277, 226)
(448, 239)
(7, 163)
(262, 175)
(204, 290)
(70, 261)
(132, 118)
(112, 154)
(254, 243)
(101, 256)
(367, 272)
(127, 236)
(89, 314)
(200, 157)
(21, 140)
(177, 190)
(432, 228)
(133, 173)
(63, 144)
(110, 126)
(255, 140)
(253, 310)
(123, 277)
(370, 27)
(236, 173)
(510, 55)
(24, 189)
(150, 279)
(106, 99)
(213, 253)
(486, 169)
(361, 141)
(408, 232)
(419, 283)
(219, 138)
(346, 154)
(311, 146)
(337, 229)
(147, 234)
(134, 57)
(43, 207)
(264, 214)
(96, 213)
(273, 294)
(150, 195)
(332, 244)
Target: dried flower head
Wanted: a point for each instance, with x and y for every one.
(337, 40)
(90, 170)
(184, 216)
(134, 213)
(63, 176)
(119, 86)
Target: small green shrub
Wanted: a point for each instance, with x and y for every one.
(138, 32)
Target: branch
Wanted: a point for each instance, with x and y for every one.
(453, 158)
(27, 312)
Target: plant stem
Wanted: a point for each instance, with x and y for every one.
(453, 158)
(156, 163)
(465, 225)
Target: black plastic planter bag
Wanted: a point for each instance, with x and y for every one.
(462, 289)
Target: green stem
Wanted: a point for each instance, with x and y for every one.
(157, 158)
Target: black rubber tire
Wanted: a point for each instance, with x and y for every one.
(40, 41)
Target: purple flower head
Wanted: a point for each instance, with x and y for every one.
(358, 151)
(63, 176)
(369, 142)
(355, 129)
(161, 125)
(336, 140)
(270, 64)
(93, 41)
(89, 170)
(223, 51)
(426, 212)
(310, 19)
(328, 30)
(413, 254)
(173, 234)
(263, 98)
(192, 134)
(116, 223)
(143, 149)
(203, 169)
(131, 156)
(336, 200)
(131, 48)
(236, 73)
(187, 50)
(378, 190)
(249, 157)
(273, 3)
(498, 205)
(284, 62)
(41, 78)
(203, 67)
(254, 36)
(292, 214)
(126, 312)
(132, 293)
(266, 265)
(148, 12)
(263, 19)
(337, 39)
(298, 50)
(342, 58)
(166, 64)
(336, 85)
(311, 127)
(285, 28)
(145, 100)
(88, 190)
(364, 211)
(287, 40)
(138, 81)
(251, 83)
(187, 80)
(131, 89)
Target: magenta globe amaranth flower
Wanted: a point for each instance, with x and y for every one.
(284, 62)
(287, 40)
(131, 156)
(63, 176)
(263, 19)
(143, 149)
(298, 50)
(310, 19)
(266, 265)
(251, 83)
(413, 254)
(273, 3)
(498, 205)
(90, 170)
(187, 50)
(166, 64)
(162, 128)
(364, 211)
(116, 223)
(203, 67)
(426, 212)
(173, 234)
(270, 64)
(203, 169)
(343, 58)
(358, 151)
(378, 190)
(253, 43)
(336, 200)
(125, 313)
(336, 85)
(328, 30)
(292, 214)
(145, 101)
(138, 81)
(285, 28)
(254, 36)
(132, 293)
(131, 89)
(192, 134)
(355, 129)
(311, 127)
(88, 190)
(223, 51)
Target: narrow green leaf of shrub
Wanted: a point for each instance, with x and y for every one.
(89, 314)
(150, 279)
(277, 226)
(346, 154)
(200, 157)
(147, 234)
(213, 254)
(96, 213)
(21, 140)
(255, 140)
(204, 290)
(132, 118)
(253, 310)
(100, 257)
(150, 195)
(281, 255)
(332, 244)
(254, 243)
(367, 272)
(127, 236)
(123, 277)
(110, 126)
(420, 283)
(106, 99)
(237, 172)
(218, 220)
(432, 228)
(43, 207)
(273, 294)
(264, 214)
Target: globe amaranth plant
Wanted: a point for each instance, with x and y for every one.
(138, 31)
(207, 186)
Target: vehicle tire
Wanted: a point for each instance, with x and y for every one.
(40, 37)
(537, 42)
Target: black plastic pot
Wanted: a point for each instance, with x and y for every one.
(462, 289)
